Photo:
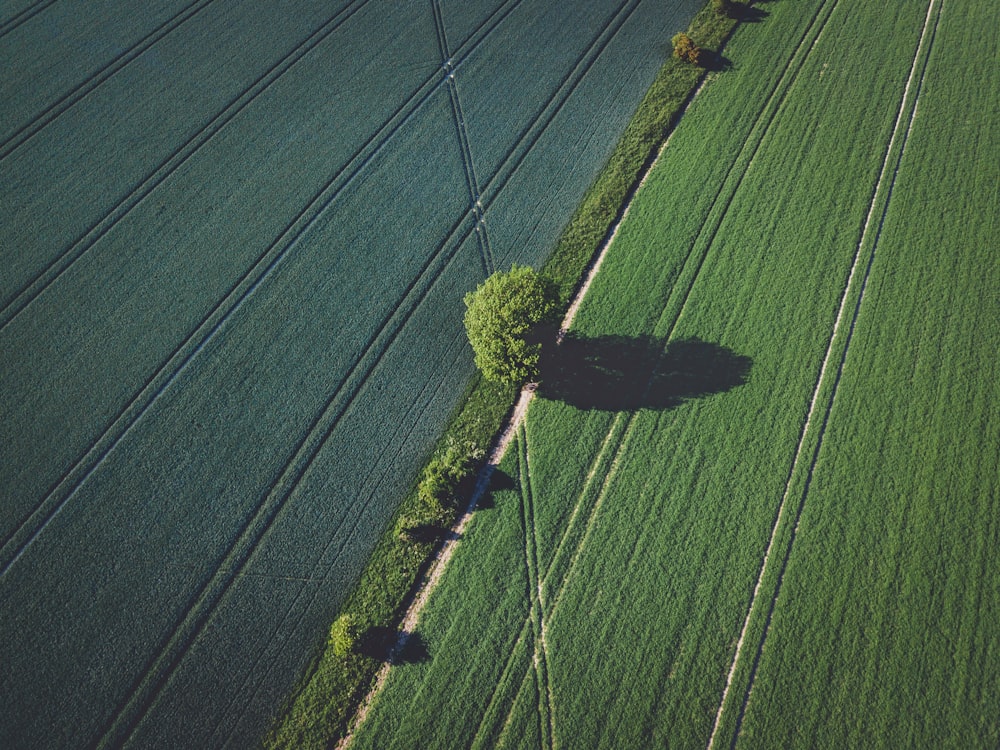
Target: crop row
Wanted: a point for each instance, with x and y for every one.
(243, 364)
(654, 561)
(888, 608)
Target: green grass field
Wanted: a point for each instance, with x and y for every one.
(235, 241)
(599, 600)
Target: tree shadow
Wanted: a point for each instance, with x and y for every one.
(378, 643)
(619, 373)
(714, 61)
(429, 533)
(499, 482)
(746, 13)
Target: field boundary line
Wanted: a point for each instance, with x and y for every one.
(25, 14)
(241, 291)
(842, 314)
(88, 85)
(179, 156)
(568, 530)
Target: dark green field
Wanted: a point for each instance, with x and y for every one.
(763, 514)
(235, 239)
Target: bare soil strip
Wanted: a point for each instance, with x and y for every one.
(842, 315)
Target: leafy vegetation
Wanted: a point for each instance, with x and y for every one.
(639, 534)
(503, 319)
(321, 709)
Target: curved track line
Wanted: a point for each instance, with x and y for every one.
(30, 291)
(23, 15)
(842, 315)
(95, 79)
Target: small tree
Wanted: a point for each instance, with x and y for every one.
(686, 49)
(344, 635)
(440, 481)
(503, 319)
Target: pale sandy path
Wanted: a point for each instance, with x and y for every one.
(444, 555)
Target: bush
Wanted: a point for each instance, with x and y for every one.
(344, 635)
(686, 49)
(442, 476)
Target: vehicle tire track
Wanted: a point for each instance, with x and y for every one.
(540, 646)
(811, 446)
(98, 77)
(26, 13)
(465, 147)
(30, 291)
(14, 545)
(789, 73)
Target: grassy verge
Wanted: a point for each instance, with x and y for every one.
(321, 708)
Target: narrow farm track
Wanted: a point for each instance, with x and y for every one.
(266, 265)
(91, 82)
(809, 446)
(26, 13)
(676, 302)
(181, 155)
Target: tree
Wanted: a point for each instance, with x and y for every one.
(343, 635)
(686, 49)
(503, 319)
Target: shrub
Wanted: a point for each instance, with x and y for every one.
(686, 49)
(442, 476)
(344, 635)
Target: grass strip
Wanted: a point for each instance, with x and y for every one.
(319, 711)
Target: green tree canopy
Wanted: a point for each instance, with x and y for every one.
(503, 318)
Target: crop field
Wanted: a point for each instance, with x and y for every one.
(235, 239)
(756, 506)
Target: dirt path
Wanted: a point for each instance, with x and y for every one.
(880, 197)
(447, 551)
